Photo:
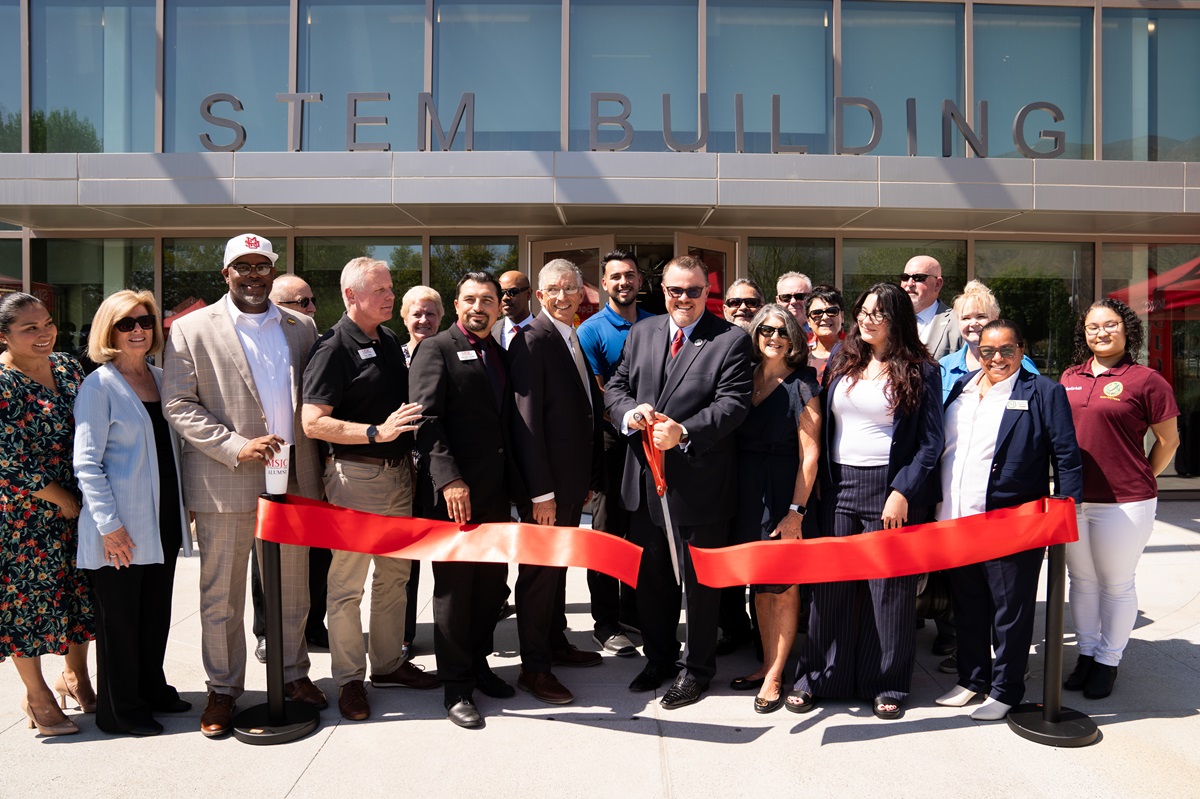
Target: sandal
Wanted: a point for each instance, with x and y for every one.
(767, 705)
(881, 705)
(800, 701)
(749, 683)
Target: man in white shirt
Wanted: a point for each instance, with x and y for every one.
(936, 325)
(514, 303)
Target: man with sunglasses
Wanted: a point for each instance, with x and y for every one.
(515, 295)
(743, 298)
(791, 290)
(229, 392)
(295, 294)
(922, 281)
(684, 380)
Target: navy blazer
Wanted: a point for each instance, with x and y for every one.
(1031, 441)
(917, 442)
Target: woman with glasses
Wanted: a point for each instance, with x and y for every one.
(778, 445)
(881, 415)
(133, 521)
(45, 607)
(1006, 429)
(824, 311)
(1115, 402)
(973, 309)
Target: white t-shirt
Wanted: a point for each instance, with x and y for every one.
(864, 423)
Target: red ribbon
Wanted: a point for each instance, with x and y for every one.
(654, 459)
(309, 523)
(891, 553)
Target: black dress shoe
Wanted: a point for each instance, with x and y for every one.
(176, 705)
(1100, 681)
(684, 691)
(490, 684)
(260, 649)
(652, 677)
(727, 644)
(1078, 678)
(464, 714)
(145, 729)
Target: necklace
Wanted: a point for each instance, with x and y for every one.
(139, 382)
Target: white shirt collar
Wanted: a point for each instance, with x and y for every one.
(257, 319)
(564, 330)
(687, 331)
(926, 316)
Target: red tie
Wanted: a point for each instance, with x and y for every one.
(677, 342)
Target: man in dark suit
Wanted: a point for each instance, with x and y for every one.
(556, 437)
(468, 476)
(689, 373)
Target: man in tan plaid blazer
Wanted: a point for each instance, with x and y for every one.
(233, 374)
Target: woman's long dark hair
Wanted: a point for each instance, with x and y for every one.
(903, 355)
(10, 306)
(1135, 334)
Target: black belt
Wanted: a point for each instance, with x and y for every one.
(367, 459)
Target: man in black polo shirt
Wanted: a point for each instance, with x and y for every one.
(356, 398)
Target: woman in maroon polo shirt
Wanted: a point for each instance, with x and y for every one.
(1114, 401)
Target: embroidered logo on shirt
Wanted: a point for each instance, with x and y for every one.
(1113, 389)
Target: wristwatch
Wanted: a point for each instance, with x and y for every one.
(798, 508)
(372, 431)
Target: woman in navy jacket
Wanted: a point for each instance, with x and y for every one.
(1005, 429)
(881, 438)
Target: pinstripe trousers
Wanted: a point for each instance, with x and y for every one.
(861, 634)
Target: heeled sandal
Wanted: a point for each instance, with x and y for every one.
(804, 701)
(84, 696)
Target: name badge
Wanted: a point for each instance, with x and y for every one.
(1018, 405)
(468, 355)
(366, 352)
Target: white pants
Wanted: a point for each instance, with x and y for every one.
(1101, 565)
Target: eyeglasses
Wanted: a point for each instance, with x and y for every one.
(784, 299)
(769, 331)
(513, 292)
(245, 270)
(829, 313)
(916, 278)
(693, 292)
(874, 317)
(569, 291)
(126, 324)
(303, 302)
(1111, 326)
(749, 302)
(1005, 352)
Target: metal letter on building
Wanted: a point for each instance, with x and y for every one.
(352, 119)
(621, 119)
(952, 114)
(839, 128)
(777, 146)
(427, 110)
(239, 132)
(739, 123)
(1057, 136)
(296, 114)
(669, 137)
(910, 108)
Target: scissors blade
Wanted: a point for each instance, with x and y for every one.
(669, 529)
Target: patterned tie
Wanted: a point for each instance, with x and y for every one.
(677, 342)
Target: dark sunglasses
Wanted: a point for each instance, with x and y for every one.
(125, 325)
(784, 299)
(918, 278)
(303, 302)
(1006, 352)
(676, 292)
(749, 302)
(766, 331)
(513, 292)
(830, 312)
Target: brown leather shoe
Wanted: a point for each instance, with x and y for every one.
(303, 690)
(217, 718)
(573, 656)
(407, 676)
(352, 701)
(545, 687)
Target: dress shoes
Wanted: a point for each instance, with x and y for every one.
(949, 665)
(490, 684)
(618, 644)
(64, 727)
(575, 657)
(684, 691)
(303, 690)
(652, 677)
(945, 644)
(81, 692)
(260, 649)
(728, 643)
(1100, 681)
(464, 714)
(1078, 678)
(217, 718)
(175, 705)
(507, 611)
(545, 687)
(407, 676)
(143, 729)
(352, 701)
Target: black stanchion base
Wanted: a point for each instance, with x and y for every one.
(1072, 729)
(253, 725)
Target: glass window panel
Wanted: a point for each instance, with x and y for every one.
(767, 47)
(1162, 283)
(320, 260)
(92, 76)
(1041, 286)
(770, 258)
(73, 276)
(1025, 54)
(517, 99)
(10, 265)
(361, 46)
(452, 257)
(866, 262)
(237, 48)
(1151, 102)
(10, 76)
(192, 272)
(893, 51)
(642, 50)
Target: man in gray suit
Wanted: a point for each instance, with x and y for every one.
(232, 382)
(922, 280)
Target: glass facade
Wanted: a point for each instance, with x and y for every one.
(452, 257)
(770, 258)
(320, 260)
(866, 262)
(10, 265)
(192, 272)
(10, 76)
(92, 76)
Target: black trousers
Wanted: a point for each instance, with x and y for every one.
(542, 603)
(659, 595)
(996, 598)
(466, 606)
(613, 603)
(133, 621)
(410, 610)
(318, 577)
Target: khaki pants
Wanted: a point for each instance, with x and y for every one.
(385, 490)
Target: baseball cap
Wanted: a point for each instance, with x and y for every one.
(247, 244)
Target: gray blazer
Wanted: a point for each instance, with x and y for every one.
(117, 467)
(942, 337)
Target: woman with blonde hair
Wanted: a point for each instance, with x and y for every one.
(973, 309)
(133, 523)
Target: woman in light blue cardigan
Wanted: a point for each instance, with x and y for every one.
(133, 521)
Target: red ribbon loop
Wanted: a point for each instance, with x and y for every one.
(654, 459)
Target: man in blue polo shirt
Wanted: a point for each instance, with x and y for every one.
(602, 338)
